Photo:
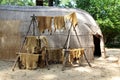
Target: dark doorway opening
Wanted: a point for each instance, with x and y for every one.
(97, 51)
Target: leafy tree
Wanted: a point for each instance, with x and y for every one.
(17, 2)
(107, 15)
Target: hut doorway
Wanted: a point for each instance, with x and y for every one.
(97, 51)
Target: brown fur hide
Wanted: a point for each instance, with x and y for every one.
(28, 61)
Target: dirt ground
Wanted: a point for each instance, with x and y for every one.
(102, 69)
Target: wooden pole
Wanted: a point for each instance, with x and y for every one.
(81, 46)
(50, 2)
(39, 2)
(16, 60)
(66, 51)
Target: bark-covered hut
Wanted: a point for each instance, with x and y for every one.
(15, 20)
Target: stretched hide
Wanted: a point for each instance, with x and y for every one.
(28, 61)
(59, 22)
(44, 22)
(55, 55)
(75, 54)
(31, 43)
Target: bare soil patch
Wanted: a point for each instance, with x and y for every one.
(102, 69)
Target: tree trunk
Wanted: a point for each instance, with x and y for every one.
(50, 2)
(39, 2)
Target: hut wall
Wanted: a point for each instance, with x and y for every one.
(9, 38)
(56, 40)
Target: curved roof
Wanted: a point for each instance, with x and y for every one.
(86, 26)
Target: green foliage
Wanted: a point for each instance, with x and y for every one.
(68, 3)
(107, 15)
(64, 2)
(17, 2)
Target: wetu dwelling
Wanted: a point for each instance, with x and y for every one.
(15, 20)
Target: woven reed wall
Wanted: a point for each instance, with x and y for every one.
(56, 40)
(9, 38)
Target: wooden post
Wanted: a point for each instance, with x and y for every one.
(66, 51)
(39, 2)
(66, 55)
(50, 2)
(81, 46)
(32, 21)
(46, 59)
